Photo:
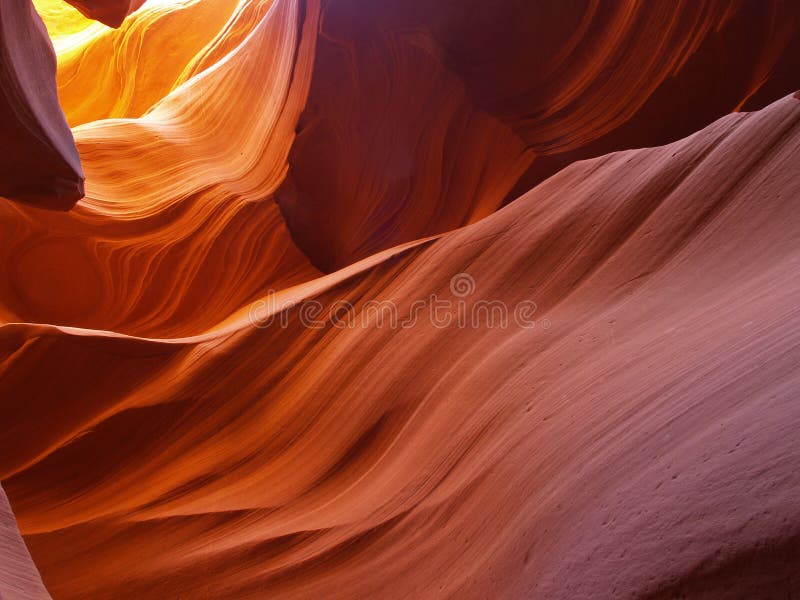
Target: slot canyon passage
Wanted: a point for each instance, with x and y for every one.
(399, 299)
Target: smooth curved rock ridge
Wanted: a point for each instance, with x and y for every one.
(404, 89)
(174, 149)
(19, 579)
(148, 56)
(158, 439)
(184, 231)
(637, 442)
(369, 157)
(40, 164)
(503, 95)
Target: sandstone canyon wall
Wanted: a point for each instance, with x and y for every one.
(622, 177)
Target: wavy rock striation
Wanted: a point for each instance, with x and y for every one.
(185, 231)
(19, 579)
(191, 407)
(149, 58)
(639, 435)
(403, 90)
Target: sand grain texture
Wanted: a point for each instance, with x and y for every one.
(19, 579)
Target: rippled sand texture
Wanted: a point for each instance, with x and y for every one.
(639, 441)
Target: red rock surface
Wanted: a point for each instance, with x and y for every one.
(629, 433)
(641, 445)
(404, 89)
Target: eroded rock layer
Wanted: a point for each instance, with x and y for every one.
(19, 579)
(403, 90)
(638, 434)
(290, 345)
(39, 161)
(184, 231)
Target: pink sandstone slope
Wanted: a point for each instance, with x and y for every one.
(639, 441)
(19, 579)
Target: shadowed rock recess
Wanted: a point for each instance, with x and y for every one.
(399, 299)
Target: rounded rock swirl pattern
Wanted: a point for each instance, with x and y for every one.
(625, 171)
